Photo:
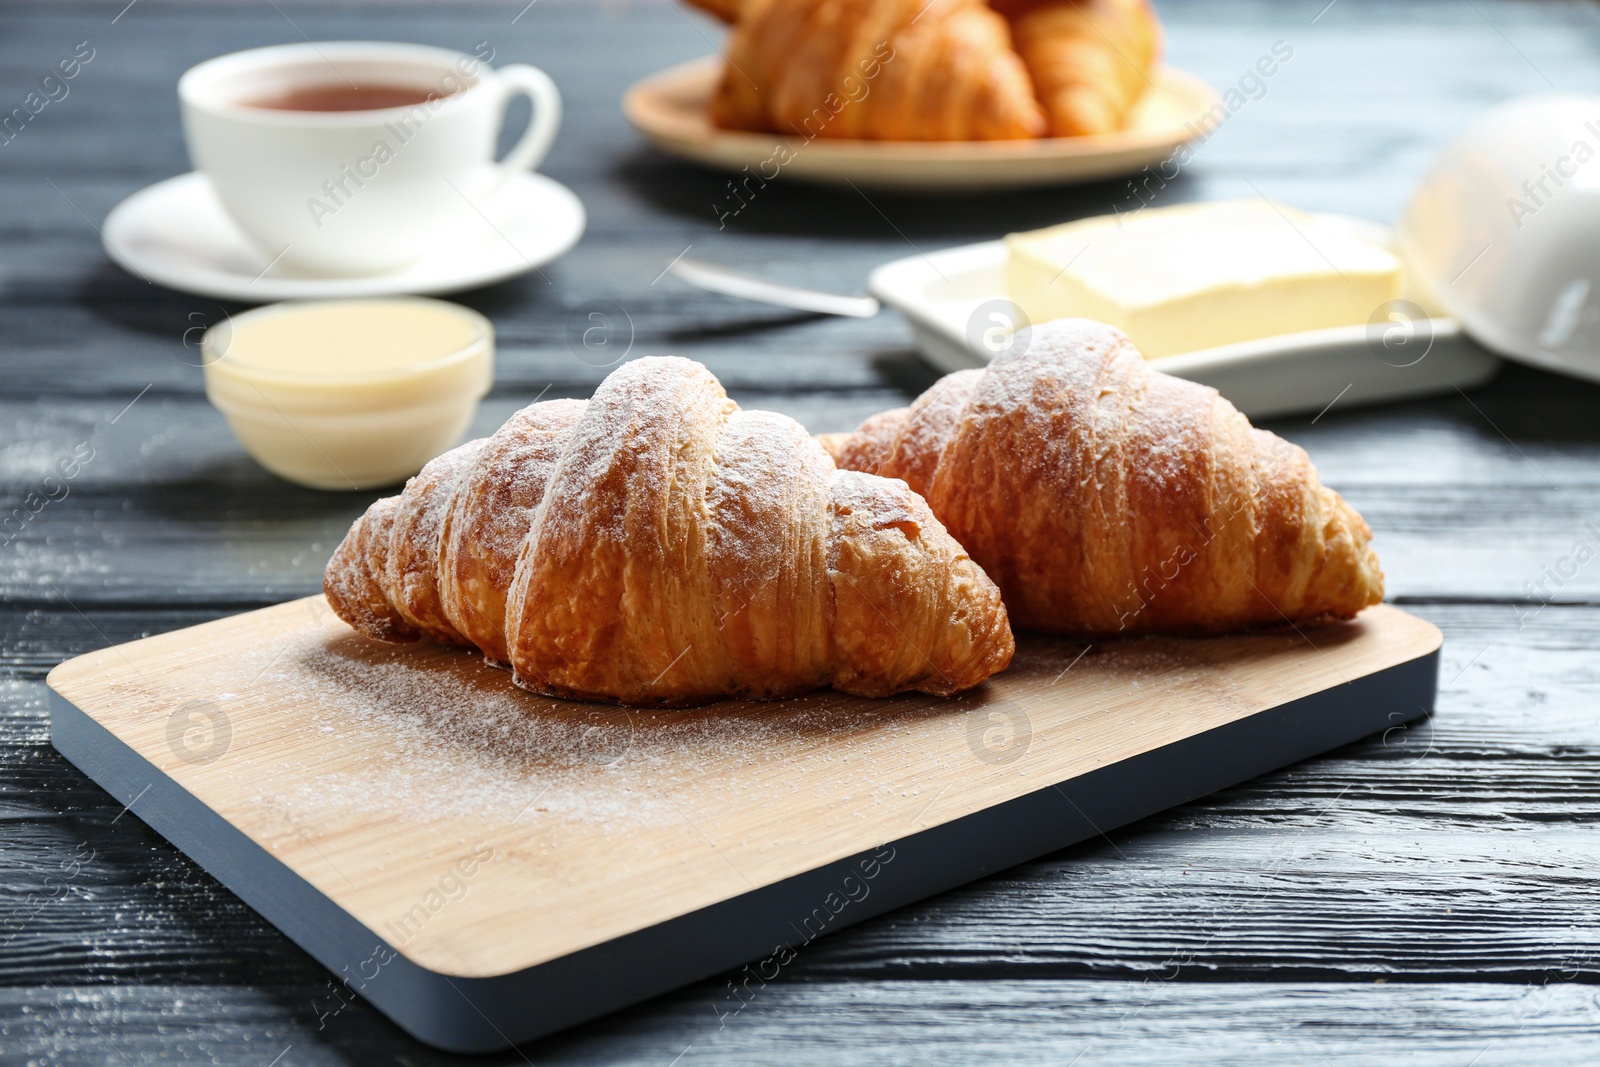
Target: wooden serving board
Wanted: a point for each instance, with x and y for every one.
(487, 866)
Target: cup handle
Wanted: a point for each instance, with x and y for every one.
(534, 144)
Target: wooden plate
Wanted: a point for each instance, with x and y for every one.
(670, 109)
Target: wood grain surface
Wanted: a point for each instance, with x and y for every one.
(1430, 896)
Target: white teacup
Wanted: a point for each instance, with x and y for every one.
(357, 191)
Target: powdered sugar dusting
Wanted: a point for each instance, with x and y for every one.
(514, 472)
(873, 499)
(494, 508)
(767, 504)
(633, 412)
(419, 521)
(447, 735)
(412, 570)
(933, 421)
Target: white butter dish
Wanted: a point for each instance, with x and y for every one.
(946, 297)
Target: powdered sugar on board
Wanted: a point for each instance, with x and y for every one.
(439, 731)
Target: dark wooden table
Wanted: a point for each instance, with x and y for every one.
(1427, 897)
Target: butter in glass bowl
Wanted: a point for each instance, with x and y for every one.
(349, 394)
(1197, 276)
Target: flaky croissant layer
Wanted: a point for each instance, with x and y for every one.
(657, 545)
(1105, 497)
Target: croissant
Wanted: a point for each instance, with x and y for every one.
(1106, 497)
(657, 545)
(933, 70)
(726, 10)
(905, 70)
(1089, 59)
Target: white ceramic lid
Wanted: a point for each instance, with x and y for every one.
(1503, 231)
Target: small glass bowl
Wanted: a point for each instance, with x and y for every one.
(338, 426)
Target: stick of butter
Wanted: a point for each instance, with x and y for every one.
(1179, 279)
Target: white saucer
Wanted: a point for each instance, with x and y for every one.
(176, 233)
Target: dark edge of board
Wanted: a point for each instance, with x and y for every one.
(767, 924)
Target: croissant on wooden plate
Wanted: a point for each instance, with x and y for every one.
(1106, 497)
(657, 545)
(933, 70)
